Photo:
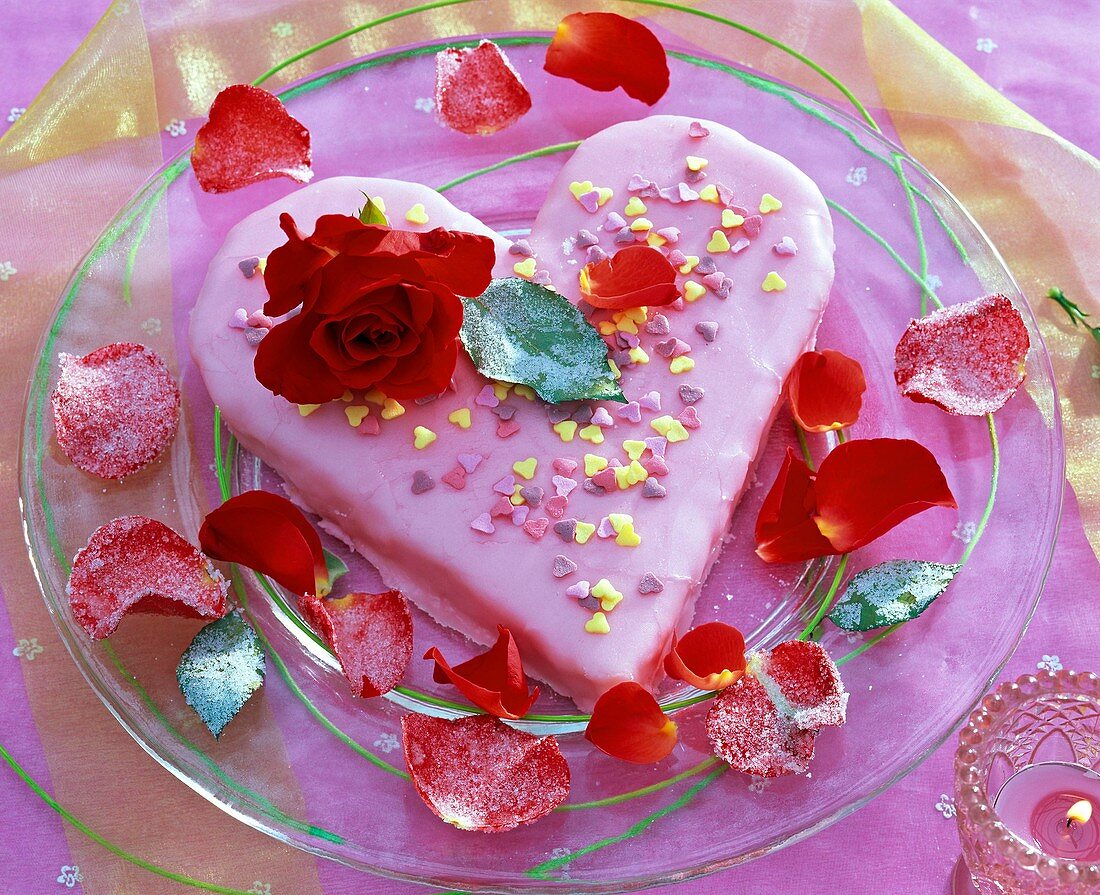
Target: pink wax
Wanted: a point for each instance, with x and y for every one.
(1033, 804)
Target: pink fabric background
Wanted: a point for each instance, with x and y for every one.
(1041, 55)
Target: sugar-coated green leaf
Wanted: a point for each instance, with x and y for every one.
(521, 332)
(220, 670)
(336, 567)
(370, 213)
(891, 592)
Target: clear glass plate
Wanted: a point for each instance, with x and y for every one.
(306, 762)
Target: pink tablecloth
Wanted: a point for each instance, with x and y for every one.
(1042, 57)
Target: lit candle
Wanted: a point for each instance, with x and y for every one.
(1054, 806)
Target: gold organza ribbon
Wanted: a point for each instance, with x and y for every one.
(93, 137)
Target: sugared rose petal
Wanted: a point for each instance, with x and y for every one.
(637, 276)
(628, 723)
(137, 564)
(477, 91)
(863, 489)
(493, 681)
(747, 731)
(249, 137)
(807, 681)
(478, 773)
(115, 409)
(268, 534)
(371, 635)
(602, 50)
(710, 657)
(967, 359)
(825, 390)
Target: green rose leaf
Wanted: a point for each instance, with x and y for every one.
(220, 670)
(517, 331)
(890, 593)
(372, 214)
(336, 567)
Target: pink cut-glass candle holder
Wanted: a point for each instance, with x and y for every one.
(1040, 735)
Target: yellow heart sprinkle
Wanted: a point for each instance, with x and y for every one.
(307, 409)
(709, 193)
(627, 326)
(634, 449)
(347, 395)
(517, 498)
(374, 397)
(583, 532)
(356, 414)
(592, 433)
(661, 424)
(604, 590)
(618, 520)
(773, 282)
(695, 163)
(525, 468)
(634, 207)
(606, 327)
(622, 480)
(654, 240)
(681, 364)
(628, 537)
(768, 202)
(525, 268)
(524, 391)
(693, 291)
(597, 624)
(579, 187)
(718, 242)
(638, 355)
(501, 389)
(635, 473)
(614, 367)
(391, 409)
(417, 214)
(593, 463)
(460, 417)
(566, 429)
(731, 218)
(605, 194)
(676, 432)
(422, 437)
(689, 265)
(641, 225)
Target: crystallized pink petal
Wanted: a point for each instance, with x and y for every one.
(477, 91)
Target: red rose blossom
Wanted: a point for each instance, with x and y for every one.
(380, 308)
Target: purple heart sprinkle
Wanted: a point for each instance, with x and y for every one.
(708, 329)
(686, 193)
(656, 445)
(595, 256)
(695, 176)
(690, 394)
(557, 414)
(522, 248)
(614, 223)
(563, 566)
(631, 411)
(519, 515)
(487, 397)
(541, 278)
(670, 194)
(239, 320)
(592, 488)
(579, 590)
(470, 462)
(651, 401)
(625, 237)
(563, 485)
(533, 494)
(484, 524)
(754, 223)
(605, 529)
(602, 418)
(586, 238)
(590, 201)
(503, 411)
(636, 183)
(506, 485)
(670, 235)
(566, 529)
(650, 584)
(422, 482)
(666, 347)
(590, 603)
(705, 266)
(653, 488)
(248, 267)
(785, 246)
(583, 414)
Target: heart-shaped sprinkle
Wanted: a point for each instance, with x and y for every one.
(259, 318)
(709, 193)
(503, 411)
(773, 282)
(579, 591)
(677, 258)
(522, 248)
(713, 281)
(369, 426)
(670, 235)
(248, 267)
(685, 192)
(556, 413)
(533, 494)
(665, 348)
(470, 462)
(651, 401)
(422, 482)
(706, 265)
(740, 245)
(656, 444)
(631, 411)
(254, 336)
(519, 515)
(583, 414)
(605, 529)
(536, 528)
(590, 201)
(636, 183)
(689, 394)
(524, 268)
(658, 326)
(564, 486)
(653, 488)
(754, 223)
(239, 320)
(487, 397)
(566, 529)
(506, 428)
(503, 507)
(526, 468)
(563, 566)
(614, 222)
(650, 584)
(555, 506)
(564, 465)
(718, 242)
(506, 485)
(595, 256)
(785, 246)
(455, 478)
(601, 417)
(626, 236)
(483, 524)
(541, 278)
(586, 238)
(708, 329)
(655, 466)
(697, 130)
(768, 204)
(689, 418)
(591, 487)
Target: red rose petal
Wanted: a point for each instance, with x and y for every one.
(371, 635)
(785, 529)
(477, 91)
(628, 723)
(493, 681)
(825, 390)
(602, 50)
(478, 773)
(249, 137)
(634, 277)
(710, 657)
(116, 409)
(867, 486)
(967, 359)
(267, 534)
(747, 731)
(137, 564)
(806, 680)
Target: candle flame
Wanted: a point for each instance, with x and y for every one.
(1080, 812)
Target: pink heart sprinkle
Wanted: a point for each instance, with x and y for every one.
(239, 320)
(506, 485)
(725, 194)
(260, 319)
(505, 428)
(487, 397)
(564, 465)
(713, 281)
(563, 565)
(502, 507)
(519, 515)
(605, 478)
(658, 326)
(697, 130)
(687, 194)
(636, 183)
(631, 411)
(579, 590)
(677, 305)
(650, 584)
(590, 201)
(651, 401)
(785, 246)
(655, 466)
(689, 418)
(614, 222)
(456, 478)
(754, 223)
(677, 258)
(564, 486)
(483, 524)
(602, 418)
(536, 528)
(555, 506)
(652, 488)
(522, 248)
(370, 426)
(470, 462)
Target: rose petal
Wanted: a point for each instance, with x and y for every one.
(746, 730)
(867, 486)
(967, 359)
(602, 51)
(249, 137)
(803, 680)
(371, 635)
(785, 529)
(477, 91)
(710, 657)
(115, 410)
(478, 773)
(137, 564)
(825, 390)
(267, 534)
(628, 723)
(493, 681)
(634, 277)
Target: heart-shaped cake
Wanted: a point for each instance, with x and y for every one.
(586, 529)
